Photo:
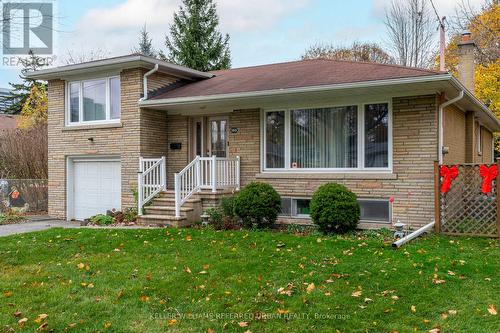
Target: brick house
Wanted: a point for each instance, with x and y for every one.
(181, 138)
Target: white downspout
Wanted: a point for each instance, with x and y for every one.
(145, 82)
(441, 127)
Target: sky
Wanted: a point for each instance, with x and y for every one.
(261, 31)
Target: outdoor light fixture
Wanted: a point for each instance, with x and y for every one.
(91, 140)
(204, 219)
(399, 233)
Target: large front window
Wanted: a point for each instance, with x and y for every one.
(331, 138)
(93, 101)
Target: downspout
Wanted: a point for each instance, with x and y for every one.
(145, 82)
(441, 127)
(413, 235)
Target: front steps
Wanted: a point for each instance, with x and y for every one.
(161, 211)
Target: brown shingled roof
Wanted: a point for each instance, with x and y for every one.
(303, 73)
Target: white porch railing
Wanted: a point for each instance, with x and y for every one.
(206, 173)
(151, 180)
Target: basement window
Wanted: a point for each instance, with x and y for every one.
(372, 210)
(93, 101)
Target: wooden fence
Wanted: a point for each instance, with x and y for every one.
(465, 207)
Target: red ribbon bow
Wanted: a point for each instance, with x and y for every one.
(448, 174)
(488, 174)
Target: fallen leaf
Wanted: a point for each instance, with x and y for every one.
(436, 281)
(243, 324)
(189, 238)
(90, 285)
(187, 270)
(394, 297)
(451, 273)
(444, 315)
(413, 308)
(41, 317)
(310, 288)
(280, 311)
(107, 324)
(492, 310)
(81, 265)
(435, 330)
(7, 293)
(367, 300)
(209, 330)
(144, 298)
(22, 321)
(205, 267)
(452, 312)
(42, 327)
(172, 322)
(356, 293)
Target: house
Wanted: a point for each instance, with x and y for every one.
(181, 138)
(7, 121)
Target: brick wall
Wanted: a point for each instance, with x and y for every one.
(415, 149)
(177, 132)
(454, 135)
(141, 132)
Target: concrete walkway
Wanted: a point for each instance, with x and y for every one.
(35, 224)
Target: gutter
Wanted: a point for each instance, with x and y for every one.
(274, 92)
(441, 128)
(145, 82)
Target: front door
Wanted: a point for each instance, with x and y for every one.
(218, 136)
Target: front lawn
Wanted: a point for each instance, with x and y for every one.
(205, 281)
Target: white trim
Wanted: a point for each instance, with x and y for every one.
(360, 141)
(81, 122)
(479, 139)
(70, 190)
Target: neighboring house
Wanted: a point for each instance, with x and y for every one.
(4, 104)
(6, 121)
(375, 128)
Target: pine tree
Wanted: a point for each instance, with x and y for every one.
(145, 43)
(195, 40)
(20, 91)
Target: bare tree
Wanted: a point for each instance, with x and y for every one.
(411, 30)
(368, 52)
(72, 58)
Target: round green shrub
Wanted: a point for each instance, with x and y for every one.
(334, 208)
(258, 204)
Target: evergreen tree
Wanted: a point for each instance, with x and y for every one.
(145, 43)
(195, 40)
(20, 91)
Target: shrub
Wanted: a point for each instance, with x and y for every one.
(215, 217)
(334, 208)
(227, 205)
(101, 219)
(130, 215)
(258, 205)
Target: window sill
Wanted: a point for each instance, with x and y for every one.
(326, 175)
(91, 127)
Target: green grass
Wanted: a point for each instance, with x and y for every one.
(135, 280)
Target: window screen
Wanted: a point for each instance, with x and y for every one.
(374, 210)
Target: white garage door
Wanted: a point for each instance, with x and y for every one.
(97, 187)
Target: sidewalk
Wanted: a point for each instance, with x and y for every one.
(35, 223)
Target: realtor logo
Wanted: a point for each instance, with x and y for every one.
(27, 26)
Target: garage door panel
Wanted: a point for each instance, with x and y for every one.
(97, 187)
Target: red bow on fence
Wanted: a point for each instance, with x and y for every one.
(488, 175)
(448, 175)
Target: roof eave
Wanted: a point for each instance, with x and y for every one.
(274, 92)
(118, 62)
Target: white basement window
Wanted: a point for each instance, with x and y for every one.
(340, 138)
(93, 101)
(372, 210)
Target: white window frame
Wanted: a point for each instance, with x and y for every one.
(479, 139)
(80, 121)
(361, 140)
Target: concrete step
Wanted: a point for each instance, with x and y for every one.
(162, 220)
(171, 201)
(166, 210)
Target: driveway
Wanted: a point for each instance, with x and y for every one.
(35, 224)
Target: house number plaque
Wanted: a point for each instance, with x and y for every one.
(234, 130)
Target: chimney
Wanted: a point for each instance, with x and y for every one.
(466, 64)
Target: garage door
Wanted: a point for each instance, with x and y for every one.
(97, 187)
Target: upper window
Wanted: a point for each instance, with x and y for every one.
(93, 101)
(341, 137)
